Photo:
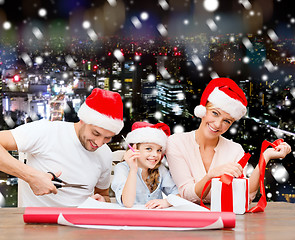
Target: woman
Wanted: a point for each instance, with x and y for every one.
(198, 156)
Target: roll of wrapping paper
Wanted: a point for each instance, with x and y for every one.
(128, 217)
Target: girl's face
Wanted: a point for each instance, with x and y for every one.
(150, 155)
(216, 122)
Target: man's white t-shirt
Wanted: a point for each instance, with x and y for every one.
(54, 146)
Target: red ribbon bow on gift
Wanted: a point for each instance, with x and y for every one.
(226, 180)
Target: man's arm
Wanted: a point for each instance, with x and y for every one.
(104, 193)
(39, 182)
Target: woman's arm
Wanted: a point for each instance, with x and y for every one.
(271, 153)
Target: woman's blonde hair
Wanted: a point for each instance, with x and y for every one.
(209, 105)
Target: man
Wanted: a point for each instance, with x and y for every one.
(75, 152)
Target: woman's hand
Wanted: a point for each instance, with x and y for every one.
(131, 158)
(279, 152)
(232, 169)
(157, 204)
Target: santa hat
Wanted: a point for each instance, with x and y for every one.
(225, 94)
(143, 132)
(103, 109)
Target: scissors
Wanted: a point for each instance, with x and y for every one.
(60, 183)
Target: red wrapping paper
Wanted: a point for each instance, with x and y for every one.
(126, 217)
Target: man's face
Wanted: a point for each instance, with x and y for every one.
(93, 137)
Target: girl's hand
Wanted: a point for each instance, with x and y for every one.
(232, 169)
(98, 197)
(131, 158)
(279, 152)
(157, 204)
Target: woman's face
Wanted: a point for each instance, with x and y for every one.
(150, 155)
(216, 122)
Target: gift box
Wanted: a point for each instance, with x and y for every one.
(229, 194)
(230, 197)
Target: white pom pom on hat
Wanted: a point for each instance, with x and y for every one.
(225, 94)
(104, 109)
(200, 111)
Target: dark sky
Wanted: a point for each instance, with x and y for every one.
(234, 17)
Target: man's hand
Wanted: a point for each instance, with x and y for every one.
(41, 184)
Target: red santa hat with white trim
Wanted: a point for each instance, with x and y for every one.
(225, 94)
(104, 109)
(144, 132)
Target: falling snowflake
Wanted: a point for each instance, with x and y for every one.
(42, 12)
(185, 21)
(280, 173)
(178, 129)
(247, 5)
(151, 77)
(211, 5)
(136, 22)
(6, 25)
(180, 96)
(9, 121)
(269, 66)
(86, 24)
(272, 35)
(214, 75)
(144, 16)
(249, 169)
(117, 85)
(92, 34)
(119, 55)
(158, 115)
(196, 60)
(137, 58)
(212, 25)
(26, 58)
(233, 130)
(113, 3)
(128, 104)
(165, 74)
(39, 60)
(2, 200)
(164, 5)
(269, 195)
(162, 30)
(246, 59)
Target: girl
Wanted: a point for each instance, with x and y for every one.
(141, 177)
(198, 156)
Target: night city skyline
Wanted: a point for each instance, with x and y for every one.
(159, 55)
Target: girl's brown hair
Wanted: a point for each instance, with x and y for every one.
(153, 177)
